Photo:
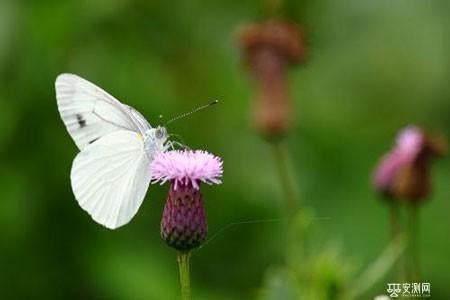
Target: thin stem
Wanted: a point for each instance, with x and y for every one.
(394, 218)
(290, 196)
(185, 282)
(413, 262)
(287, 178)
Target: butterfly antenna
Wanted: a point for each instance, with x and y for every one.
(191, 112)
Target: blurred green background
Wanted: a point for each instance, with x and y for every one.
(373, 67)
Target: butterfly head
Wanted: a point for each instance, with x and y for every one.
(155, 140)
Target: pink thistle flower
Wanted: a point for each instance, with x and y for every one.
(404, 171)
(184, 223)
(407, 147)
(184, 167)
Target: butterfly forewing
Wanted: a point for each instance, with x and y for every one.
(90, 113)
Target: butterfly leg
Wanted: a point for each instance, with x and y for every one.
(169, 145)
(179, 143)
(182, 145)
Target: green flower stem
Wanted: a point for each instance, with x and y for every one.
(286, 175)
(290, 198)
(413, 261)
(183, 267)
(395, 229)
(394, 219)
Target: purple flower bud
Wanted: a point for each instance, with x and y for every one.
(184, 223)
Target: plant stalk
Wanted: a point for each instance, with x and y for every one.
(183, 267)
(395, 231)
(287, 178)
(413, 262)
(394, 220)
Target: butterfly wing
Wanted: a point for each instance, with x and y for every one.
(90, 113)
(111, 176)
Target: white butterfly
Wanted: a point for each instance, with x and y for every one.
(110, 176)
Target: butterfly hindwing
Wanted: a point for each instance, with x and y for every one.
(111, 176)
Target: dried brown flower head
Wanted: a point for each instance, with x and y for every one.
(269, 48)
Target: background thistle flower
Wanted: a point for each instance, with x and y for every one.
(269, 49)
(404, 174)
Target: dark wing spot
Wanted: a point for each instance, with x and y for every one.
(90, 142)
(81, 121)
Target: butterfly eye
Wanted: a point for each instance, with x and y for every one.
(159, 133)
